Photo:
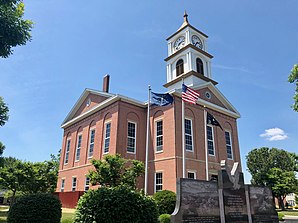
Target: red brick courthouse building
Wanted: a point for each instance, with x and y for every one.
(102, 123)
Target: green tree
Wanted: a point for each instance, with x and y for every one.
(2, 147)
(266, 165)
(114, 170)
(282, 183)
(3, 119)
(3, 110)
(293, 77)
(12, 175)
(21, 177)
(14, 30)
(116, 204)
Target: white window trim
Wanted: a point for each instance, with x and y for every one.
(67, 152)
(192, 138)
(194, 172)
(230, 134)
(87, 185)
(62, 188)
(136, 127)
(160, 171)
(155, 126)
(91, 129)
(104, 136)
(76, 157)
(210, 140)
(72, 187)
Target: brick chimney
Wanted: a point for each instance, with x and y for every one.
(106, 83)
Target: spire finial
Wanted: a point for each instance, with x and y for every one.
(185, 16)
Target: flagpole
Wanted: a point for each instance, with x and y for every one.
(206, 145)
(147, 142)
(183, 137)
(183, 141)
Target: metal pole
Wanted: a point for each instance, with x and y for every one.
(147, 141)
(183, 141)
(206, 145)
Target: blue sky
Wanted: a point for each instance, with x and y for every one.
(75, 43)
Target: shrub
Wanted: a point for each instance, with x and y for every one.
(165, 218)
(114, 205)
(281, 216)
(165, 201)
(35, 208)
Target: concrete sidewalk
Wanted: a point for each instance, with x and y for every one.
(291, 219)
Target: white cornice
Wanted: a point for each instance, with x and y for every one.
(231, 113)
(81, 99)
(102, 105)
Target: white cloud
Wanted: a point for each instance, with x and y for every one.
(233, 68)
(274, 134)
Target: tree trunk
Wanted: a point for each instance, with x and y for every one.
(281, 203)
(12, 201)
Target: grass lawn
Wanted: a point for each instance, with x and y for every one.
(67, 215)
(290, 212)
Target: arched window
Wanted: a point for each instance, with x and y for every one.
(200, 67)
(179, 67)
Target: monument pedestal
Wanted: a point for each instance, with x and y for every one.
(227, 200)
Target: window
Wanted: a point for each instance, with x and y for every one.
(200, 67)
(214, 178)
(210, 140)
(228, 145)
(91, 144)
(62, 185)
(191, 175)
(188, 135)
(87, 182)
(67, 151)
(74, 184)
(159, 136)
(158, 181)
(107, 138)
(179, 67)
(78, 152)
(131, 137)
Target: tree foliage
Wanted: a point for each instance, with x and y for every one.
(3, 111)
(27, 177)
(3, 119)
(274, 168)
(14, 30)
(115, 204)
(293, 78)
(114, 170)
(35, 208)
(2, 147)
(166, 201)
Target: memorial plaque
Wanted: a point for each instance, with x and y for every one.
(234, 198)
(262, 205)
(235, 205)
(225, 201)
(198, 202)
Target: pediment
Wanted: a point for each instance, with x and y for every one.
(211, 95)
(88, 100)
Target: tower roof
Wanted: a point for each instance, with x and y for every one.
(186, 24)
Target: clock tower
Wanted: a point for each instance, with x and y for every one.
(188, 60)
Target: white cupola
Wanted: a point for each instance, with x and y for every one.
(188, 58)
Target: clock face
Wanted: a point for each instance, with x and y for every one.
(196, 41)
(179, 43)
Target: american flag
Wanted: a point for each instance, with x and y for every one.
(189, 95)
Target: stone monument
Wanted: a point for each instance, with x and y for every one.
(227, 200)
